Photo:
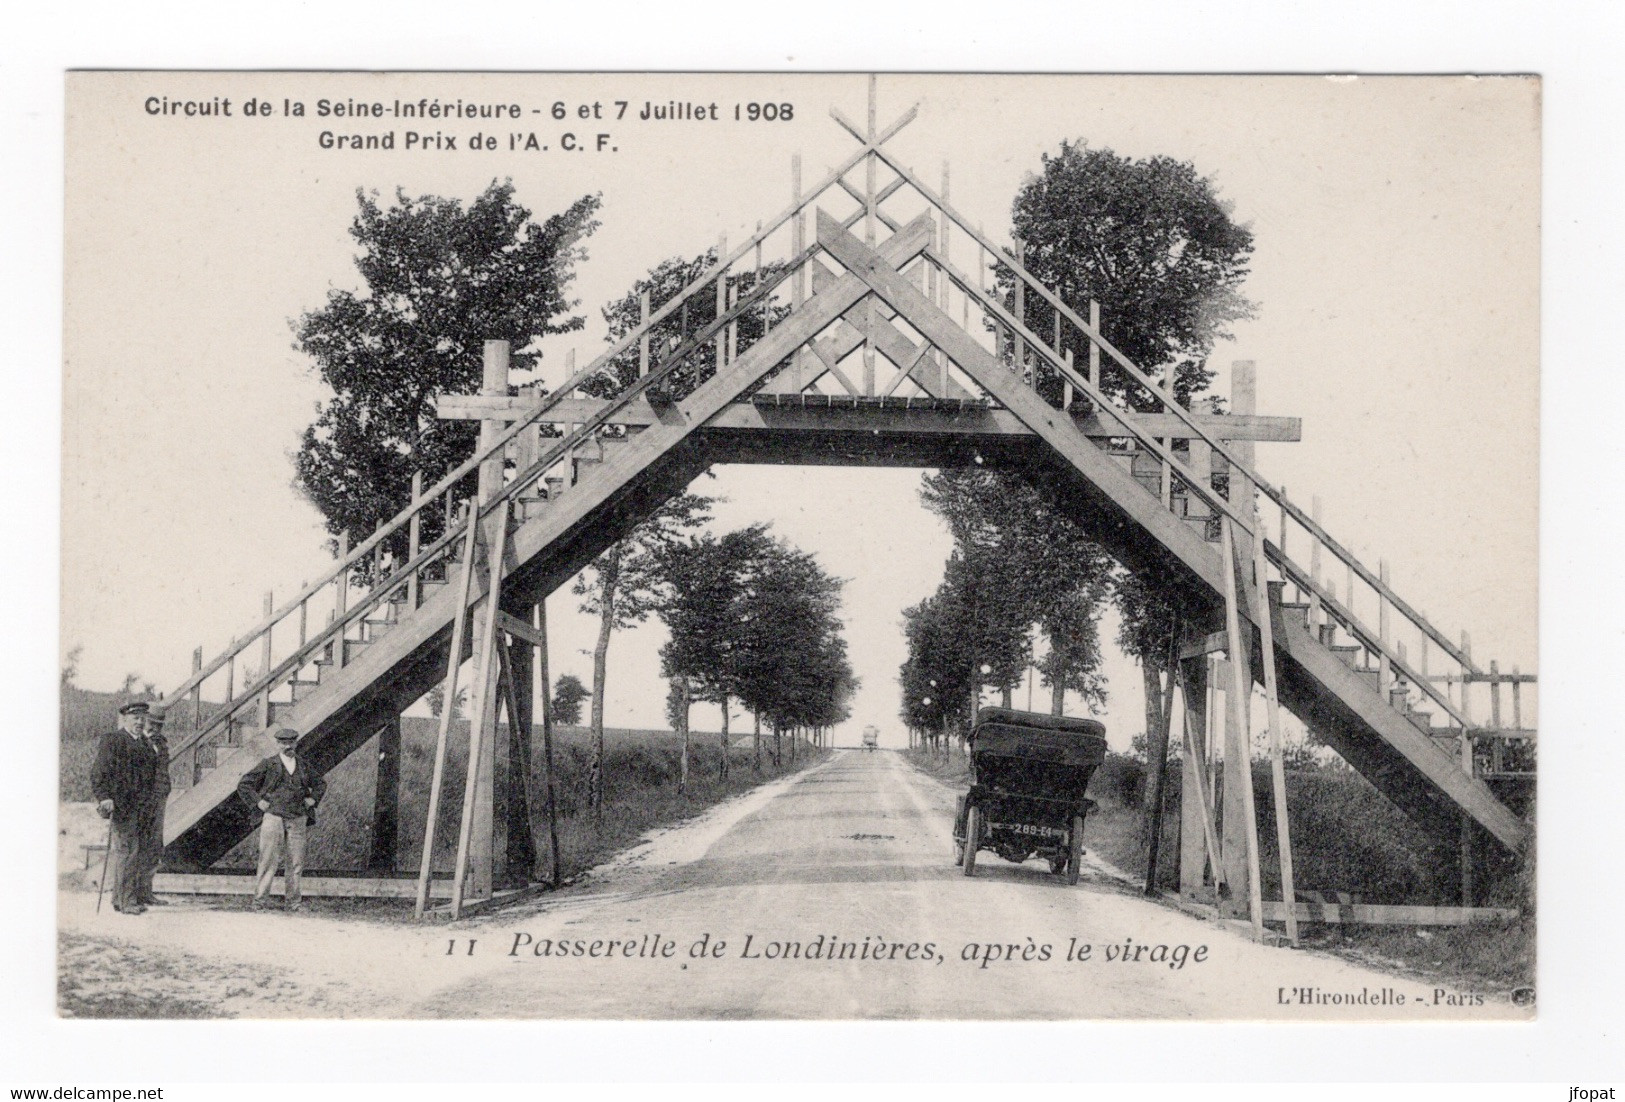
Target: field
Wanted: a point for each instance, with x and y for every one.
(1345, 837)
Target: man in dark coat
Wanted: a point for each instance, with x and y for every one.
(152, 841)
(286, 791)
(122, 780)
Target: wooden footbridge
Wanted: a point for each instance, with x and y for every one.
(855, 327)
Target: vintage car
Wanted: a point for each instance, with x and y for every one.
(871, 738)
(1026, 799)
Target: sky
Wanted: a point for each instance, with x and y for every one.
(1396, 272)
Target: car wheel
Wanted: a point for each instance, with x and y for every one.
(973, 839)
(1075, 858)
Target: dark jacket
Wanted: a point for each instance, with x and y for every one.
(270, 781)
(126, 772)
(161, 781)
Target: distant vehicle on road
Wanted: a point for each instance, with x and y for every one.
(1026, 799)
(871, 738)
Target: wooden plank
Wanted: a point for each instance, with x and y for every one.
(1382, 914)
(640, 413)
(386, 808)
(1238, 743)
(517, 628)
(479, 727)
(1211, 643)
(448, 706)
(832, 368)
(327, 887)
(1283, 831)
(1199, 836)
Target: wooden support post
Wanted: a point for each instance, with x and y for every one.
(868, 368)
(1243, 403)
(448, 705)
(265, 661)
(1517, 700)
(516, 663)
(1385, 674)
(869, 175)
(414, 540)
(1467, 651)
(1240, 813)
(722, 303)
(478, 856)
(643, 341)
(1316, 613)
(386, 803)
(1018, 345)
(475, 839)
(1094, 347)
(341, 600)
(1066, 384)
(798, 233)
(1198, 835)
(1218, 676)
(1266, 630)
(733, 326)
(542, 688)
(197, 690)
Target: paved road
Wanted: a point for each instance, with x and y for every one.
(857, 853)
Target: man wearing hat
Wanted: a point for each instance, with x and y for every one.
(286, 791)
(152, 841)
(122, 780)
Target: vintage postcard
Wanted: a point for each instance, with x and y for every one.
(798, 546)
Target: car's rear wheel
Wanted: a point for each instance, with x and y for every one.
(1074, 859)
(973, 840)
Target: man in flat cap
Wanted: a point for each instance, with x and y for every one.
(286, 791)
(122, 780)
(152, 841)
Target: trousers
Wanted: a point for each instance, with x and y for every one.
(126, 861)
(280, 839)
(152, 848)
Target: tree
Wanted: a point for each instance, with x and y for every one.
(70, 665)
(709, 583)
(661, 284)
(789, 657)
(568, 693)
(622, 587)
(439, 279)
(436, 699)
(1152, 243)
(1036, 566)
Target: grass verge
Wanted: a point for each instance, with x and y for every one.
(1346, 837)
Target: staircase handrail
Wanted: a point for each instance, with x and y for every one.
(301, 656)
(1128, 418)
(1370, 640)
(1173, 406)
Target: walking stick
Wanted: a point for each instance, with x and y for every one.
(107, 852)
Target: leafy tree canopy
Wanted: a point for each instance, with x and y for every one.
(439, 279)
(1150, 241)
(568, 693)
